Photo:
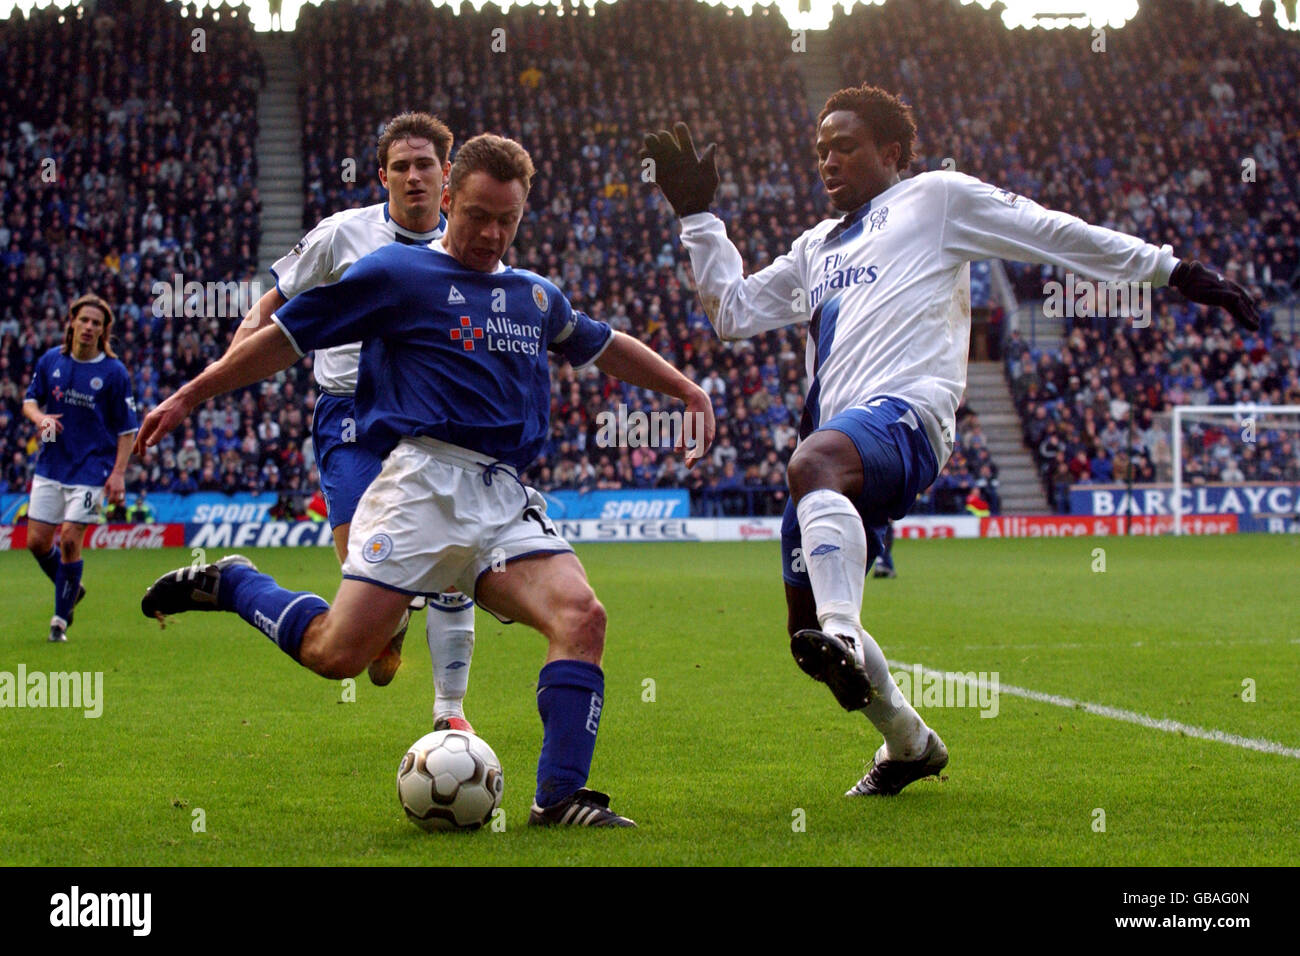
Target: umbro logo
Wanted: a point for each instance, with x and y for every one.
(454, 297)
(267, 626)
(823, 549)
(56, 373)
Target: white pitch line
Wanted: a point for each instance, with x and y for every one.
(1060, 645)
(1116, 713)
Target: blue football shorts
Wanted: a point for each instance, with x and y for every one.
(346, 468)
(897, 465)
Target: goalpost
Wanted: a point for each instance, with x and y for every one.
(1215, 447)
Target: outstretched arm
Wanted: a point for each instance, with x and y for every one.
(1207, 287)
(982, 221)
(259, 356)
(311, 263)
(259, 316)
(739, 306)
(627, 359)
(356, 307)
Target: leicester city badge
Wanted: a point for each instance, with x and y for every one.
(377, 548)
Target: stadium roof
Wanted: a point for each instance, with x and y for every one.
(801, 14)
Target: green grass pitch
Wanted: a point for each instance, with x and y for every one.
(712, 739)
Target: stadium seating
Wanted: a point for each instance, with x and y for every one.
(562, 87)
(122, 172)
(1212, 172)
(142, 191)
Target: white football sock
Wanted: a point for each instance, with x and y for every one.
(451, 648)
(905, 733)
(835, 553)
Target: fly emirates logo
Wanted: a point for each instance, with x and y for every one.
(838, 274)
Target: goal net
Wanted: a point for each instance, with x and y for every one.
(1241, 460)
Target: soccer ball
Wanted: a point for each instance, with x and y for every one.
(450, 780)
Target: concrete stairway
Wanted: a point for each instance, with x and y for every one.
(988, 394)
(279, 151)
(820, 71)
(1036, 328)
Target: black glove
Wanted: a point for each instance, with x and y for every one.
(687, 179)
(1207, 287)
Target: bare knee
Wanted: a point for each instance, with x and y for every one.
(810, 469)
(828, 459)
(579, 627)
(331, 662)
(70, 544)
(39, 544)
(324, 652)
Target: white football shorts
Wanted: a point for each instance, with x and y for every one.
(54, 503)
(439, 516)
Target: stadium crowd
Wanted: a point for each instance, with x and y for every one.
(139, 192)
(561, 85)
(135, 176)
(1100, 405)
(1179, 128)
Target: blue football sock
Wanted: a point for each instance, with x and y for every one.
(50, 563)
(67, 581)
(280, 614)
(887, 556)
(570, 695)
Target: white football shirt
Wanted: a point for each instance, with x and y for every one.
(323, 255)
(887, 287)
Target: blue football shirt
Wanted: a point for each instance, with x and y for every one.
(447, 352)
(97, 406)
